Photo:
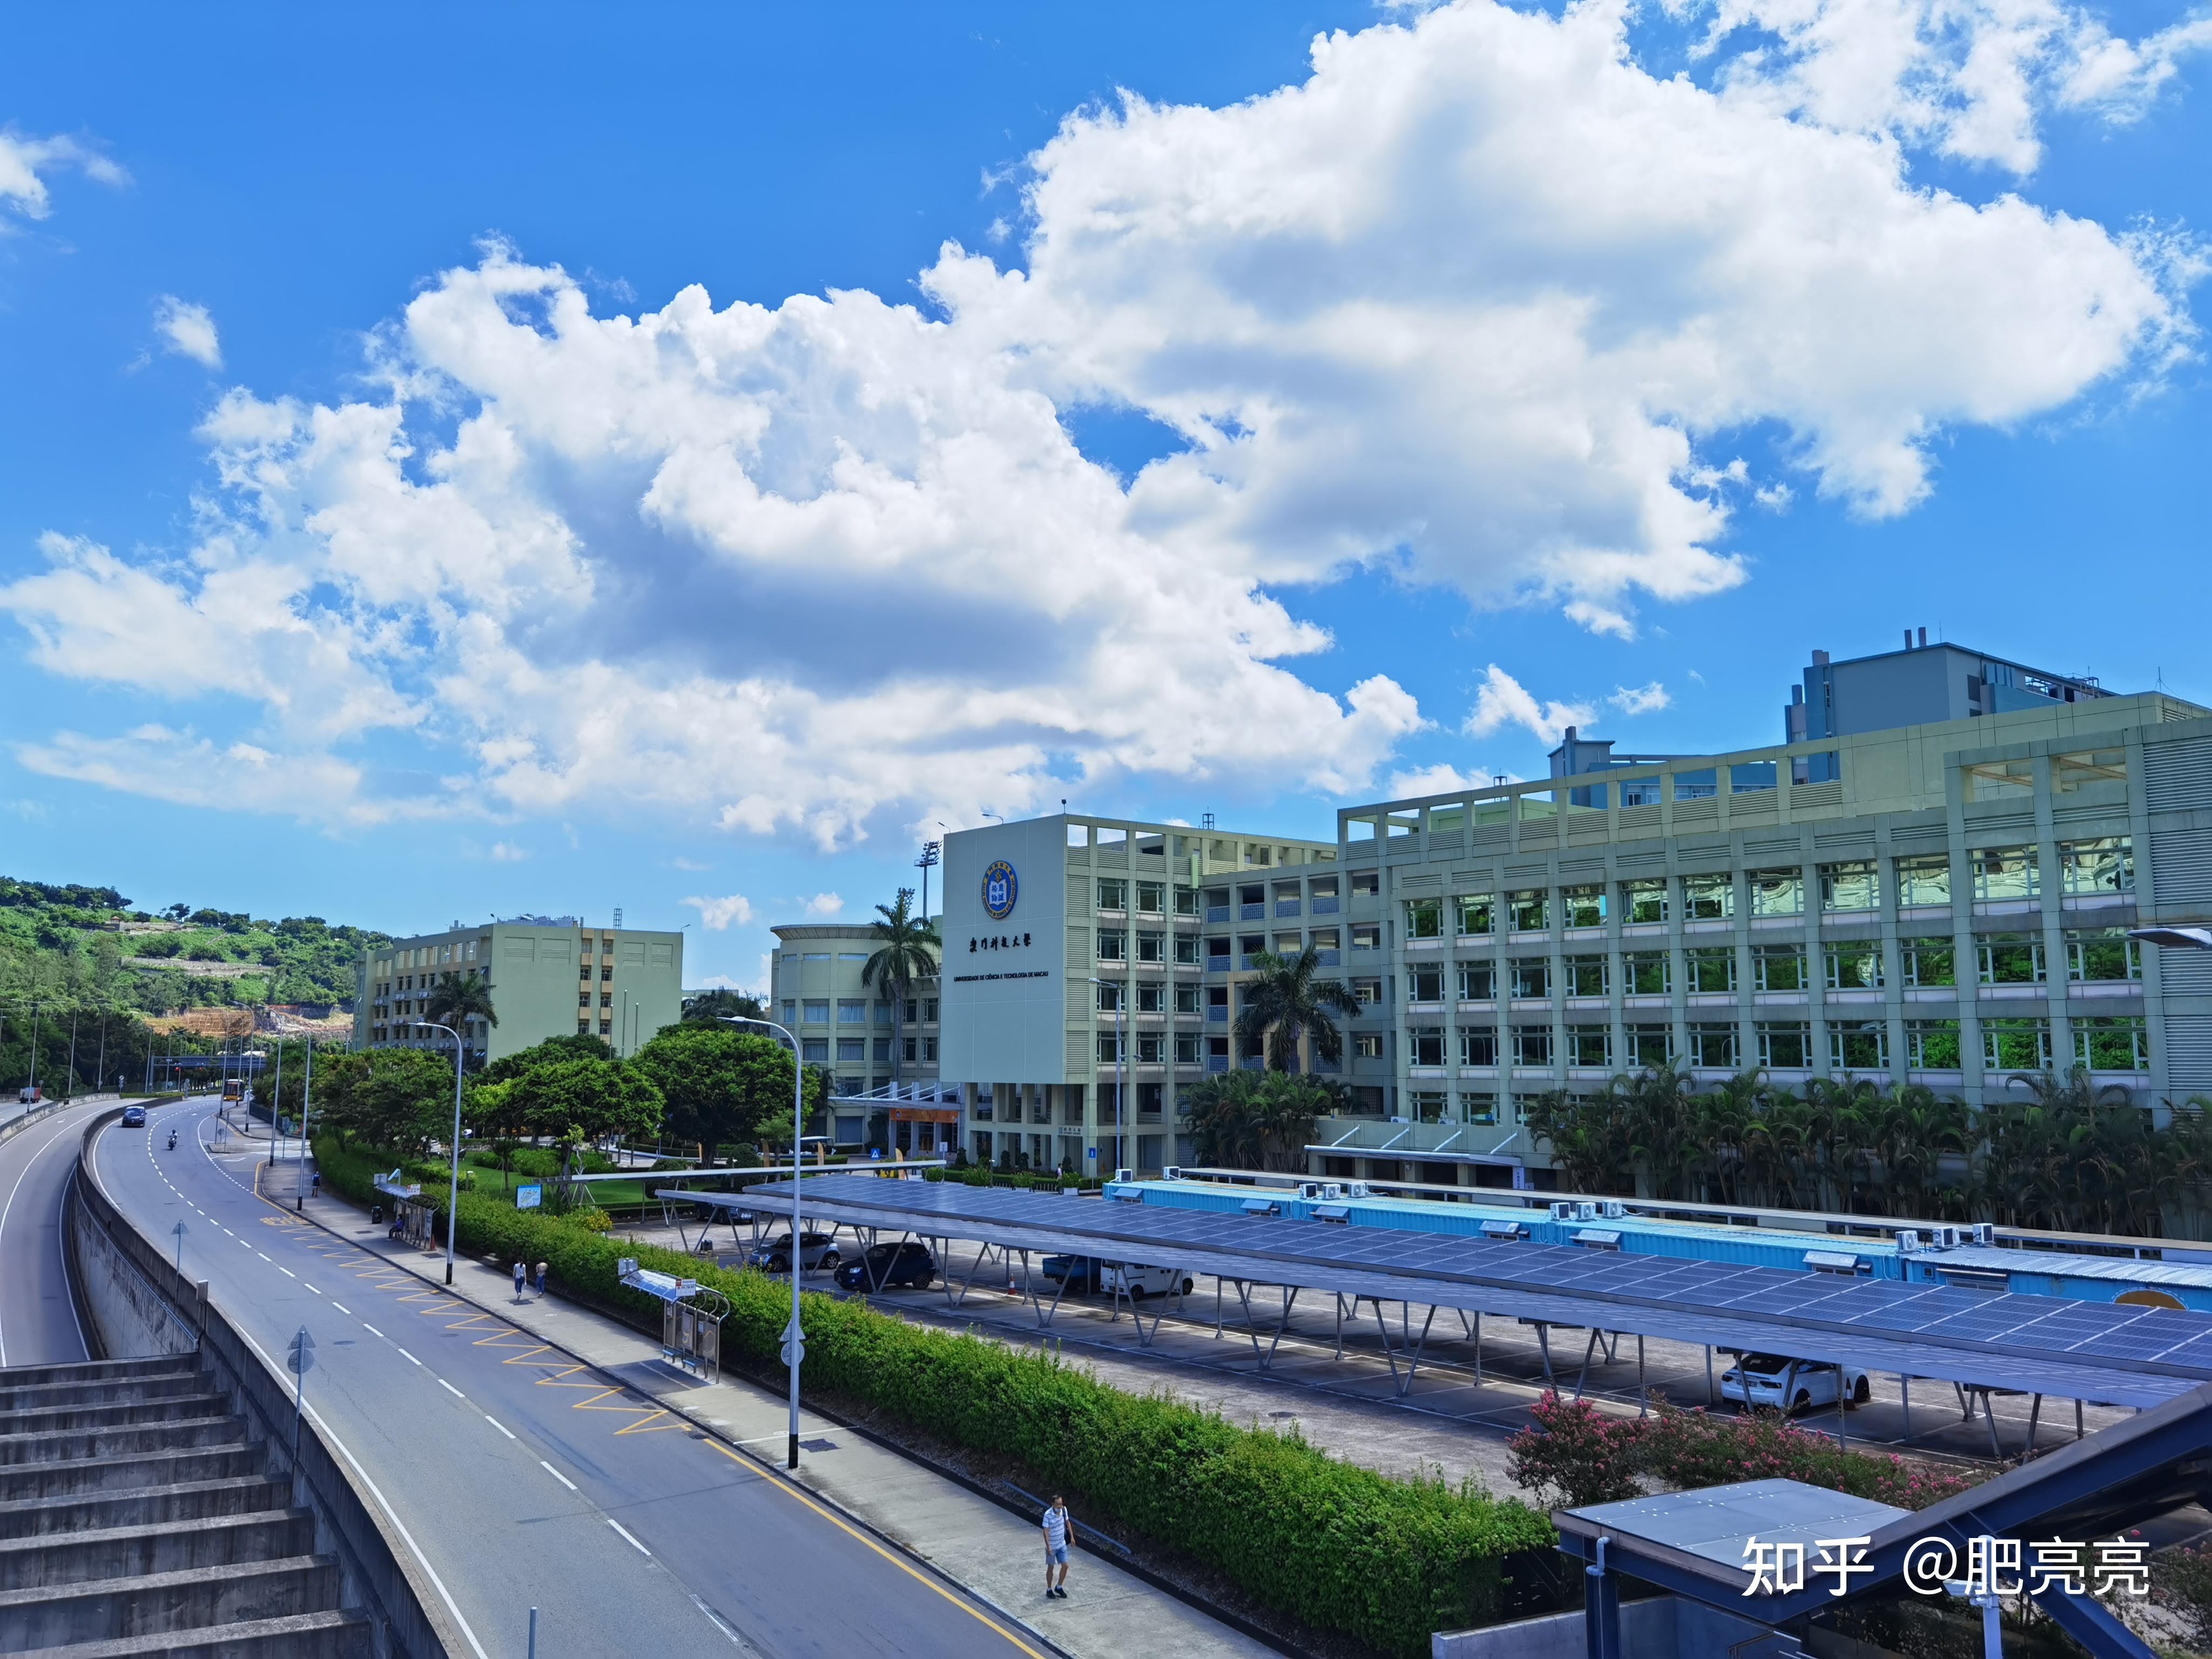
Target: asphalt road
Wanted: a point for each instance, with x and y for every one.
(523, 1477)
(37, 1321)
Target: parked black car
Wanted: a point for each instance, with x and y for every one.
(885, 1264)
(1079, 1272)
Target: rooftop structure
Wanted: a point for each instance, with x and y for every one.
(1921, 684)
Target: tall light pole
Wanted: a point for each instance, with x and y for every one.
(1121, 1061)
(931, 852)
(454, 1189)
(794, 1340)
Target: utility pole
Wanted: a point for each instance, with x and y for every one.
(931, 853)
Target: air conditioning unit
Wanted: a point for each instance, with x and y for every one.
(1908, 1240)
(1308, 1189)
(1613, 1209)
(1125, 1175)
(1562, 1211)
(1585, 1211)
(1332, 1190)
(1984, 1233)
(1357, 1189)
(1946, 1238)
(1173, 1172)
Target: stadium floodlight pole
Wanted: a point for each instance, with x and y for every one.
(453, 1191)
(793, 1342)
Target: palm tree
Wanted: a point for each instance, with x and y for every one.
(904, 948)
(709, 1005)
(1283, 1000)
(456, 999)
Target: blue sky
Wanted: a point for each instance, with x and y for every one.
(1239, 455)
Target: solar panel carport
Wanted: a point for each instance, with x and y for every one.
(2094, 1351)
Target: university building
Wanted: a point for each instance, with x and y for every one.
(853, 1030)
(549, 976)
(1941, 900)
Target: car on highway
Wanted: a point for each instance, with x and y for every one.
(1136, 1281)
(31, 1094)
(1778, 1383)
(817, 1253)
(134, 1117)
(882, 1265)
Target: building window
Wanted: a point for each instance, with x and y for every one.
(1589, 1045)
(1366, 935)
(1186, 1048)
(929, 1011)
(1586, 976)
(1425, 918)
(1148, 1105)
(2016, 1045)
(2004, 873)
(583, 999)
(883, 1051)
(2107, 865)
(1113, 895)
(1109, 997)
(1478, 981)
(1149, 1045)
(1779, 968)
(1366, 884)
(1855, 967)
(851, 1049)
(1713, 1047)
(912, 1012)
(1152, 897)
(851, 1012)
(1478, 915)
(1425, 1045)
(2119, 1044)
(929, 1050)
(1929, 961)
(2010, 959)
(912, 1049)
(1932, 1045)
(1478, 1045)
(1644, 902)
(817, 1050)
(1644, 973)
(1531, 1046)
(2106, 954)
(1479, 1108)
(1924, 881)
(1186, 999)
(1151, 999)
(1187, 901)
(1786, 1047)
(1858, 1047)
(1152, 947)
(1110, 1049)
(1708, 898)
(1532, 976)
(1848, 887)
(1428, 1105)
(1113, 944)
(1651, 1047)
(1775, 892)
(883, 1013)
(1529, 912)
(1186, 950)
(1367, 1045)
(1369, 991)
(1424, 984)
(1581, 907)
(1712, 968)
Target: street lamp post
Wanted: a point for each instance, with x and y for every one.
(794, 1340)
(453, 1190)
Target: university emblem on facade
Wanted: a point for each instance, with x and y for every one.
(998, 890)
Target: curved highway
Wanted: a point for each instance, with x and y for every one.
(521, 1477)
(38, 1318)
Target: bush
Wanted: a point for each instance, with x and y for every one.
(1338, 1546)
(1586, 1457)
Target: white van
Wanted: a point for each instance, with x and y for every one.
(1136, 1281)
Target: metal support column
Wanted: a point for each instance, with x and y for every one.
(1582, 1376)
(2034, 1415)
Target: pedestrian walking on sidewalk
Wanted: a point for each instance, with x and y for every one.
(518, 1273)
(541, 1279)
(1059, 1534)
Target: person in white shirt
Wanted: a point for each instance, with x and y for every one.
(1059, 1534)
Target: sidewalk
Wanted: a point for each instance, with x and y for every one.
(994, 1555)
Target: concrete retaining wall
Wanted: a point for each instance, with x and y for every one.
(138, 1298)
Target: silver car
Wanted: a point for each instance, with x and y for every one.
(817, 1253)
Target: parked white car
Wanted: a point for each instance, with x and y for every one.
(1778, 1383)
(1136, 1281)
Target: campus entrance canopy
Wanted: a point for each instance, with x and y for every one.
(2090, 1351)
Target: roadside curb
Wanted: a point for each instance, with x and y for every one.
(766, 1469)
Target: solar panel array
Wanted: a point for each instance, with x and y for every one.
(2094, 1350)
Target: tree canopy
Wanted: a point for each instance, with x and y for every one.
(722, 1084)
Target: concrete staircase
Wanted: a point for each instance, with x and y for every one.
(135, 1518)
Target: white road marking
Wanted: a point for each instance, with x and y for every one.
(370, 1328)
(633, 1542)
(450, 1389)
(406, 1356)
(501, 1426)
(556, 1474)
(342, 1308)
(287, 1271)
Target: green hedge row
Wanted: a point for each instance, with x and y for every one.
(1338, 1546)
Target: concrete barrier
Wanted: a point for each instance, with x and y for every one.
(144, 1304)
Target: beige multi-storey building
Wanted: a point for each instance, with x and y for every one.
(853, 1031)
(1090, 974)
(549, 976)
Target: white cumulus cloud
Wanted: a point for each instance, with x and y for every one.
(25, 162)
(1502, 701)
(1481, 302)
(1442, 779)
(823, 905)
(1641, 699)
(505, 852)
(716, 915)
(188, 330)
